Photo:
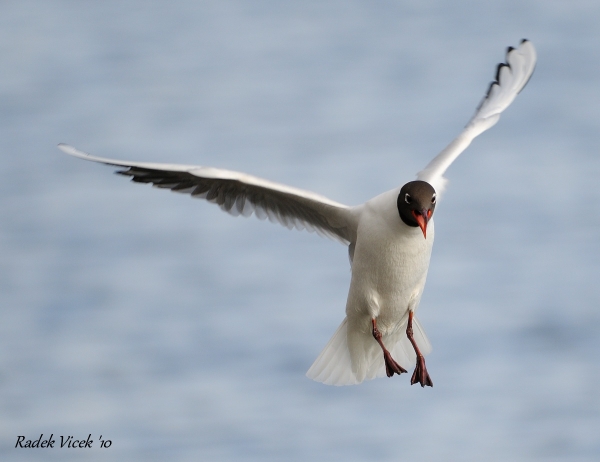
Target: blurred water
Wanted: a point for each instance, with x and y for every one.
(181, 333)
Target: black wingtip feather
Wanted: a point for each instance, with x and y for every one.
(498, 69)
(497, 77)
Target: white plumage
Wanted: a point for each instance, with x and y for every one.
(389, 253)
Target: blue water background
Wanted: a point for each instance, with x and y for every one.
(183, 334)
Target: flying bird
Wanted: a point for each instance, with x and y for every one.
(389, 238)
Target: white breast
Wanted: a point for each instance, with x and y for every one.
(389, 267)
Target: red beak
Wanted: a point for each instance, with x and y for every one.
(422, 218)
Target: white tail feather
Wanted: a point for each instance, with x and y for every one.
(333, 366)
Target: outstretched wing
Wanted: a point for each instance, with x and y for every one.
(511, 77)
(241, 194)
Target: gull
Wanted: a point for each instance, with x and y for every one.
(389, 238)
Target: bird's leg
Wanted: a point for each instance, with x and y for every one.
(391, 366)
(420, 374)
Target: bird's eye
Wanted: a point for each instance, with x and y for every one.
(407, 198)
(433, 199)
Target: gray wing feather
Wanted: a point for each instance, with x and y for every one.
(241, 194)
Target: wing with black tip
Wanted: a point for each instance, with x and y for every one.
(511, 77)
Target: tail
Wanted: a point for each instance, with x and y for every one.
(334, 364)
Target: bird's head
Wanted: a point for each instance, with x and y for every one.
(416, 203)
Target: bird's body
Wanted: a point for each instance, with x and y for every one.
(390, 239)
(389, 269)
(390, 261)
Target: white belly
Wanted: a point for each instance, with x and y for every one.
(389, 268)
(388, 275)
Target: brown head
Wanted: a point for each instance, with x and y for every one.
(416, 203)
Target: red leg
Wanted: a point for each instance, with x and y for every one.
(391, 366)
(420, 374)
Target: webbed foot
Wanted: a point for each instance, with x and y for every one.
(420, 375)
(391, 366)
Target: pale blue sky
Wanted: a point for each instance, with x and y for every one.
(181, 333)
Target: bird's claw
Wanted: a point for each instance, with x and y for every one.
(420, 374)
(391, 366)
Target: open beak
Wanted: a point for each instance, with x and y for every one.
(422, 218)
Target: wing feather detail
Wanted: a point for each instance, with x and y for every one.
(511, 78)
(242, 194)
